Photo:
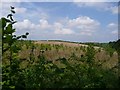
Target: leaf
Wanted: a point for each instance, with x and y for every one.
(15, 49)
(7, 20)
(9, 29)
(14, 22)
(18, 37)
(13, 30)
(12, 11)
(27, 33)
(14, 35)
(9, 15)
(3, 23)
(24, 36)
(11, 18)
(12, 7)
(8, 39)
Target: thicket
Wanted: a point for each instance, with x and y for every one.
(44, 73)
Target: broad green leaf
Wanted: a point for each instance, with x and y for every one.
(9, 29)
(8, 39)
(3, 23)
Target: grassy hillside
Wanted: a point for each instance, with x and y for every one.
(55, 49)
(65, 56)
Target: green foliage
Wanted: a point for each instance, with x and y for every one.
(115, 45)
(90, 54)
(10, 78)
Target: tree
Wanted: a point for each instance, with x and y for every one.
(8, 45)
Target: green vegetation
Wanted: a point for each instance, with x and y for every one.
(27, 64)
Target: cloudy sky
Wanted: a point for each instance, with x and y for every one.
(71, 21)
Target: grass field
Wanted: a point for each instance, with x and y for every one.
(54, 50)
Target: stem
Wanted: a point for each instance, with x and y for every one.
(10, 64)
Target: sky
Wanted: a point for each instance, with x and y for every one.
(69, 21)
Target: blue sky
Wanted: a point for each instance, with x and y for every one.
(71, 21)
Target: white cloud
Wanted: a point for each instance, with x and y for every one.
(58, 25)
(60, 29)
(20, 10)
(28, 25)
(83, 20)
(44, 24)
(82, 25)
(113, 28)
(63, 31)
(25, 25)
